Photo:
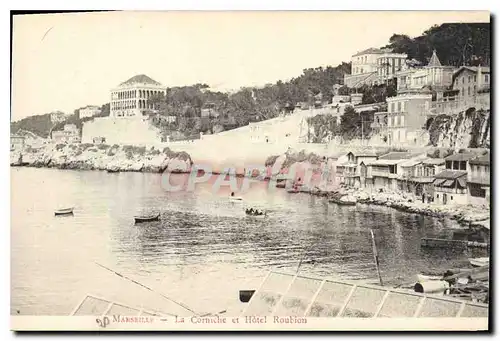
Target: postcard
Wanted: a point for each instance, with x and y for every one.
(250, 170)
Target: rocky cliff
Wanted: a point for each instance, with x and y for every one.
(103, 157)
(469, 129)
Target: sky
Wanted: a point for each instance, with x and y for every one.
(67, 61)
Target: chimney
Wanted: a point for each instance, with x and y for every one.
(479, 77)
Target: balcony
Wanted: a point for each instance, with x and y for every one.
(483, 179)
(384, 174)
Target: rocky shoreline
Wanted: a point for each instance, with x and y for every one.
(466, 215)
(139, 159)
(103, 157)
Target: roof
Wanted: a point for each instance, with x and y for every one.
(450, 174)
(410, 163)
(366, 153)
(371, 50)
(338, 298)
(434, 61)
(484, 69)
(143, 79)
(397, 156)
(432, 161)
(481, 160)
(461, 157)
(384, 162)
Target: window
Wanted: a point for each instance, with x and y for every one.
(403, 106)
(448, 164)
(475, 78)
(451, 197)
(437, 195)
(399, 106)
(389, 121)
(468, 79)
(468, 91)
(463, 80)
(475, 88)
(486, 78)
(475, 190)
(396, 122)
(393, 107)
(463, 165)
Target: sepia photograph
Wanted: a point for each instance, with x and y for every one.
(250, 170)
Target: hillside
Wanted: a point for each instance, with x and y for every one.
(455, 44)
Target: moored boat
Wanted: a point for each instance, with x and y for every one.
(426, 277)
(146, 218)
(481, 261)
(64, 211)
(343, 201)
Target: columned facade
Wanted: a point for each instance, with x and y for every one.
(132, 97)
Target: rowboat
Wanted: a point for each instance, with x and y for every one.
(257, 216)
(236, 198)
(481, 261)
(146, 218)
(425, 278)
(64, 211)
(344, 202)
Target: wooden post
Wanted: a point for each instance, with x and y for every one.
(375, 256)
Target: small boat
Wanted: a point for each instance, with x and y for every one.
(481, 261)
(64, 211)
(112, 171)
(425, 278)
(146, 218)
(256, 215)
(236, 198)
(342, 201)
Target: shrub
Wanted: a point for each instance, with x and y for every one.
(271, 160)
(85, 146)
(134, 149)
(60, 146)
(93, 150)
(103, 146)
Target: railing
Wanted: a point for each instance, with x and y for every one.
(384, 174)
(452, 190)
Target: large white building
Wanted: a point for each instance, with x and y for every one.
(131, 98)
(374, 66)
(89, 111)
(434, 74)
